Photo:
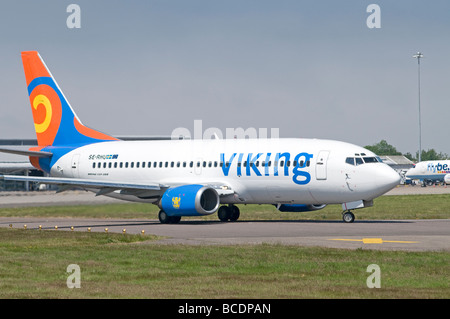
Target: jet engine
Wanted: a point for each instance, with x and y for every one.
(447, 179)
(190, 200)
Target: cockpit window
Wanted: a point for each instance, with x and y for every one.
(359, 161)
(370, 160)
(350, 160)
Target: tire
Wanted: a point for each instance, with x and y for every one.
(235, 213)
(348, 217)
(175, 219)
(224, 213)
(163, 217)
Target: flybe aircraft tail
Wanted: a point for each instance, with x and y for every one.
(55, 121)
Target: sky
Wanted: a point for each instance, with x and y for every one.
(310, 69)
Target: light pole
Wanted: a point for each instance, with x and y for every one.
(418, 56)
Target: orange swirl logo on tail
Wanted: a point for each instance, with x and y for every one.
(47, 112)
(42, 99)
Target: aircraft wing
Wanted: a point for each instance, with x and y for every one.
(104, 186)
(221, 188)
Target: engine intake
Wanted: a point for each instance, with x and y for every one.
(447, 179)
(190, 200)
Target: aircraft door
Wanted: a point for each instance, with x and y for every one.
(198, 166)
(75, 164)
(321, 165)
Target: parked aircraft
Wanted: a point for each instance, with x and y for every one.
(430, 171)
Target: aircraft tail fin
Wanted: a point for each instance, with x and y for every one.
(55, 121)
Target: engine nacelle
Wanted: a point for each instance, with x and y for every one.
(299, 207)
(447, 179)
(190, 200)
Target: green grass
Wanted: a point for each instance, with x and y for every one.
(33, 264)
(385, 207)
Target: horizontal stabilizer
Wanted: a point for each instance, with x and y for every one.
(26, 153)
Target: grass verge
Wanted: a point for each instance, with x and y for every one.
(33, 264)
(385, 207)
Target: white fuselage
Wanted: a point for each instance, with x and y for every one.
(259, 171)
(430, 170)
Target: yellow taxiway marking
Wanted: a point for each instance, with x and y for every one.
(377, 241)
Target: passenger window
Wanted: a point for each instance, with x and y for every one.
(109, 165)
(115, 164)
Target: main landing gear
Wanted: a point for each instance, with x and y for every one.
(348, 217)
(166, 219)
(228, 213)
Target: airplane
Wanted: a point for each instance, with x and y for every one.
(430, 171)
(195, 177)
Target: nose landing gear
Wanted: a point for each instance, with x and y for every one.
(348, 217)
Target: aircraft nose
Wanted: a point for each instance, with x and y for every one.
(387, 178)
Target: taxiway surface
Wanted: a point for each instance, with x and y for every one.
(411, 235)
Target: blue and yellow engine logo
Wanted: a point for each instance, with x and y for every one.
(176, 202)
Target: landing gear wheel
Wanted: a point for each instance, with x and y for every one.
(163, 217)
(235, 213)
(175, 219)
(166, 219)
(224, 213)
(348, 217)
